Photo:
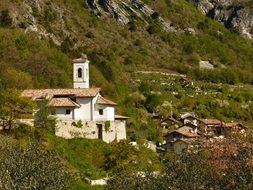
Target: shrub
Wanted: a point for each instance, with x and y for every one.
(5, 19)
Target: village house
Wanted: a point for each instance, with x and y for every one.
(234, 127)
(81, 104)
(168, 124)
(188, 117)
(210, 127)
(179, 139)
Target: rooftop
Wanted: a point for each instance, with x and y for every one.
(103, 101)
(63, 102)
(82, 59)
(50, 93)
(211, 121)
(185, 131)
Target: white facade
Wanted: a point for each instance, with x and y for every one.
(104, 113)
(80, 73)
(64, 113)
(89, 110)
(85, 110)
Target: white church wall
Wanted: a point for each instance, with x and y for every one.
(108, 113)
(62, 114)
(84, 112)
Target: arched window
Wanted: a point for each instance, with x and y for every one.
(79, 73)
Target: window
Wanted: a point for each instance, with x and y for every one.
(68, 111)
(101, 111)
(79, 73)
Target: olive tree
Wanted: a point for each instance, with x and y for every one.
(31, 168)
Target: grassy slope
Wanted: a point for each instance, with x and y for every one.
(116, 52)
(113, 50)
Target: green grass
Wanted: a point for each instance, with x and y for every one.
(85, 155)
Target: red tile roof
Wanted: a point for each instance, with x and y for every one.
(63, 102)
(49, 93)
(103, 101)
(211, 121)
(233, 125)
(185, 131)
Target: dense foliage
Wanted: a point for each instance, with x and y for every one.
(195, 170)
(12, 107)
(30, 167)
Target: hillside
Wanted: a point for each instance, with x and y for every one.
(145, 55)
(72, 28)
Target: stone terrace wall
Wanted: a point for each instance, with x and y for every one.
(67, 130)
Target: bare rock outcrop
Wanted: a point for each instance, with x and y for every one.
(124, 10)
(237, 15)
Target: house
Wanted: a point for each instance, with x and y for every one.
(183, 133)
(82, 104)
(168, 124)
(210, 126)
(188, 117)
(234, 126)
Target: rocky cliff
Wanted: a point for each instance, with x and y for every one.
(235, 14)
(124, 11)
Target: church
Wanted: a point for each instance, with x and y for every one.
(81, 104)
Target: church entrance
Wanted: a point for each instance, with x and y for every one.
(100, 131)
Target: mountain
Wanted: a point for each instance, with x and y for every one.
(235, 14)
(38, 39)
(156, 57)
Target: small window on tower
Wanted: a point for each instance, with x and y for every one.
(101, 112)
(80, 73)
(68, 111)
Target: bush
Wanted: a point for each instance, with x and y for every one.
(5, 19)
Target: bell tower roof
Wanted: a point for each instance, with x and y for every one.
(82, 59)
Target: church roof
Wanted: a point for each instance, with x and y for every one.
(50, 93)
(103, 101)
(63, 102)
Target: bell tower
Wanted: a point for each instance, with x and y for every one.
(81, 72)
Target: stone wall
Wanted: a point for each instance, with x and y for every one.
(69, 129)
(88, 129)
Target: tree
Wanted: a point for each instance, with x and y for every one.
(122, 157)
(44, 116)
(204, 169)
(17, 79)
(13, 106)
(30, 168)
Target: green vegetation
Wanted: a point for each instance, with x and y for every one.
(27, 62)
(116, 53)
(198, 170)
(30, 167)
(13, 107)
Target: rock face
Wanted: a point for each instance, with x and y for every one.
(234, 14)
(124, 10)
